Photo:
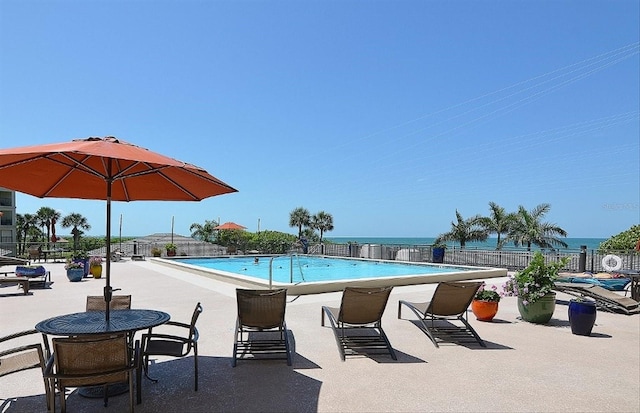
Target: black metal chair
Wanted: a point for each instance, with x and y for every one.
(160, 344)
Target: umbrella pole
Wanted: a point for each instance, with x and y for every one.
(107, 288)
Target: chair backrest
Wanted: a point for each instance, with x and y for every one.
(21, 355)
(261, 308)
(34, 251)
(82, 359)
(362, 305)
(196, 313)
(452, 298)
(118, 302)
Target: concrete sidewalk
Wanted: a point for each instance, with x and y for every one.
(524, 368)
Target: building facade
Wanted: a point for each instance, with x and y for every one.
(7, 216)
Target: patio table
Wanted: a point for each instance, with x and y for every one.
(635, 282)
(94, 323)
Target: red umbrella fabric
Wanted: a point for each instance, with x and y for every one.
(230, 225)
(107, 169)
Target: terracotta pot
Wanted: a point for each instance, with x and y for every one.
(171, 253)
(484, 310)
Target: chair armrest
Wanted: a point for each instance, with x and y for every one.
(146, 337)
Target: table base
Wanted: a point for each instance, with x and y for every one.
(97, 392)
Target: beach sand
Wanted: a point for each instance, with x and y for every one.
(525, 367)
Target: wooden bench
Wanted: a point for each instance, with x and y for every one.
(22, 281)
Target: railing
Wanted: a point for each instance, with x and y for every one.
(510, 259)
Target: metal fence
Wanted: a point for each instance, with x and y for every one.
(510, 259)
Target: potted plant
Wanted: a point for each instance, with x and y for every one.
(156, 252)
(582, 316)
(534, 287)
(438, 251)
(82, 257)
(95, 266)
(75, 270)
(485, 303)
(171, 249)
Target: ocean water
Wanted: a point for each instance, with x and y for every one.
(573, 243)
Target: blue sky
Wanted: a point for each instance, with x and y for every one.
(389, 115)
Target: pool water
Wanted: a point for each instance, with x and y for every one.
(316, 269)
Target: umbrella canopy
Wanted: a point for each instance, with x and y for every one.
(107, 169)
(230, 225)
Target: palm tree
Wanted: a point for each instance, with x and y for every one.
(300, 217)
(322, 221)
(47, 217)
(499, 222)
(30, 227)
(465, 230)
(529, 230)
(76, 221)
(205, 232)
(21, 233)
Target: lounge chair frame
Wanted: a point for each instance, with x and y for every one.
(360, 311)
(261, 329)
(605, 300)
(450, 302)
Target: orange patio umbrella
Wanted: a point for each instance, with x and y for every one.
(230, 225)
(107, 169)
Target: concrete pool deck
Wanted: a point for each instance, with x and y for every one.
(525, 367)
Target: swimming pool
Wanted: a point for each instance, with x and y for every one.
(304, 274)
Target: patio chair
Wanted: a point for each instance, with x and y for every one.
(118, 302)
(22, 355)
(261, 331)
(357, 324)
(97, 360)
(605, 300)
(35, 252)
(161, 344)
(449, 303)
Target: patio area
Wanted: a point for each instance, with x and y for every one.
(525, 367)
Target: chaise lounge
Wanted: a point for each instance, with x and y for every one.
(357, 324)
(449, 303)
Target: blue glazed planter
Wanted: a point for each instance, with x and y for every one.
(84, 262)
(75, 274)
(582, 316)
(438, 255)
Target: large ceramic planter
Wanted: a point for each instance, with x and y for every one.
(539, 312)
(96, 271)
(582, 316)
(438, 255)
(75, 274)
(484, 310)
(171, 253)
(85, 263)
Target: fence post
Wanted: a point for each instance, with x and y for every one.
(582, 259)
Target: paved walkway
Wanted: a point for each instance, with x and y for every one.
(525, 368)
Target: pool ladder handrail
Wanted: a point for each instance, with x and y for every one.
(290, 269)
